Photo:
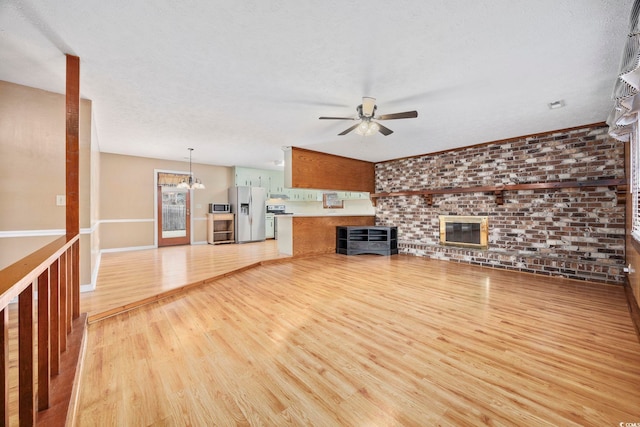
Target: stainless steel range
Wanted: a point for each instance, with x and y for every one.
(276, 209)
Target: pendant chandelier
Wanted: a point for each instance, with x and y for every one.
(191, 182)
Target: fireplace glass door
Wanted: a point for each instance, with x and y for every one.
(467, 231)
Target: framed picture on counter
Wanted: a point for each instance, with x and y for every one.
(331, 201)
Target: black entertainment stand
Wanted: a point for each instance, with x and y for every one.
(354, 240)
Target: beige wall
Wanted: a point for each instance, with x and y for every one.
(32, 158)
(116, 192)
(32, 172)
(127, 198)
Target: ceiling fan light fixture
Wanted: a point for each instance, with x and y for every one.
(367, 128)
(362, 128)
(366, 112)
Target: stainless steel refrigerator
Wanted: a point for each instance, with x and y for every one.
(249, 204)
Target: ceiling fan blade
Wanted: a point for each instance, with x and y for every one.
(384, 130)
(337, 118)
(405, 115)
(344, 132)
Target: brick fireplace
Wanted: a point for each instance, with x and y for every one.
(572, 232)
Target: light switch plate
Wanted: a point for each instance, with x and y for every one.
(61, 200)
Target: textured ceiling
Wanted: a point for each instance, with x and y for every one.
(238, 80)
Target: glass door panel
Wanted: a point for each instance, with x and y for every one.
(174, 218)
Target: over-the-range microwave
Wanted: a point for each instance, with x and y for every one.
(219, 208)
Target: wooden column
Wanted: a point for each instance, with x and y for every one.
(73, 145)
(73, 183)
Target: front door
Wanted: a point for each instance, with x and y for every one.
(174, 216)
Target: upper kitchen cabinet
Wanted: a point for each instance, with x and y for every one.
(250, 177)
(276, 183)
(298, 195)
(270, 180)
(352, 195)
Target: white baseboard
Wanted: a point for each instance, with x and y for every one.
(130, 248)
(88, 288)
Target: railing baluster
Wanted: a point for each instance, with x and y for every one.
(4, 366)
(44, 367)
(71, 271)
(63, 302)
(54, 295)
(26, 397)
(76, 280)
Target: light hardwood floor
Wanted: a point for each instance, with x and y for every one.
(363, 341)
(129, 279)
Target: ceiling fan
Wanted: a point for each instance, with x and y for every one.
(366, 112)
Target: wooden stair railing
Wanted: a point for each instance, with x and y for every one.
(53, 271)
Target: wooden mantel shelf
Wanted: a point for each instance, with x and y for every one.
(620, 185)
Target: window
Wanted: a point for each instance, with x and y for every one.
(634, 145)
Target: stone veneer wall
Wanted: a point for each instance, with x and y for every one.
(577, 233)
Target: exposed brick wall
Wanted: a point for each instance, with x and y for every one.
(576, 232)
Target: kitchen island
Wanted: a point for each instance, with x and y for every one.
(301, 235)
